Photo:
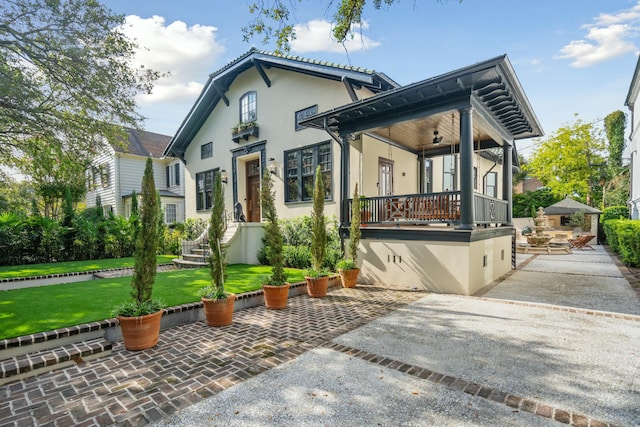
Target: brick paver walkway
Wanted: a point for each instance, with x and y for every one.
(191, 362)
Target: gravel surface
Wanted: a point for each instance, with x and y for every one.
(327, 388)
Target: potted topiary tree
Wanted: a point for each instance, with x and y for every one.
(140, 319)
(317, 277)
(348, 268)
(275, 286)
(218, 304)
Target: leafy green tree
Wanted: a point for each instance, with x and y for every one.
(616, 178)
(614, 126)
(564, 163)
(53, 173)
(144, 271)
(525, 204)
(15, 196)
(272, 20)
(65, 77)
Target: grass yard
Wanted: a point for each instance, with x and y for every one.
(30, 270)
(29, 310)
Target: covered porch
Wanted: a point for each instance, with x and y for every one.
(453, 238)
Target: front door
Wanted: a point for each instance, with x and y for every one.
(253, 191)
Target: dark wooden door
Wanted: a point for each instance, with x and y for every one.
(253, 191)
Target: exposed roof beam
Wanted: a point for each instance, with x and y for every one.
(220, 93)
(262, 73)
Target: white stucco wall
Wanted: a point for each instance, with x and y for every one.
(276, 107)
(442, 267)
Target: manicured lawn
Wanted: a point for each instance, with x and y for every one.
(13, 271)
(29, 310)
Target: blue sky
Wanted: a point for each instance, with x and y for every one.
(571, 56)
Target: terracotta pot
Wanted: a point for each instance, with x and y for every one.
(349, 278)
(275, 297)
(317, 287)
(219, 312)
(141, 332)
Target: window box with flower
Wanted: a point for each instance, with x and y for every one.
(244, 131)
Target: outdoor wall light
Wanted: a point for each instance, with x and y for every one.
(273, 168)
(437, 139)
(223, 176)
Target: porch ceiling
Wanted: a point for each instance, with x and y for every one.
(409, 115)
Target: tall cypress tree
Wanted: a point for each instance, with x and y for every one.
(144, 270)
(319, 230)
(272, 233)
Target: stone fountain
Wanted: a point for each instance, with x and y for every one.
(539, 242)
(541, 221)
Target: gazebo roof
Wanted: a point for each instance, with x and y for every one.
(569, 206)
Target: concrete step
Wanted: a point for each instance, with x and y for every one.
(183, 263)
(37, 362)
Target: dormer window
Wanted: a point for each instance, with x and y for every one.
(248, 107)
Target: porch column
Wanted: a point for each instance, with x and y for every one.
(467, 209)
(345, 148)
(507, 179)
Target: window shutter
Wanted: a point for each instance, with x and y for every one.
(168, 168)
(177, 173)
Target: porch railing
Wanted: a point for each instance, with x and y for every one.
(489, 210)
(428, 208)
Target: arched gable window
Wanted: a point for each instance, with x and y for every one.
(248, 107)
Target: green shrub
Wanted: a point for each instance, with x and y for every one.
(614, 212)
(623, 237)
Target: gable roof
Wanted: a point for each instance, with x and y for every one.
(568, 206)
(143, 143)
(220, 81)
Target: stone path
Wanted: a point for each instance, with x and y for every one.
(190, 362)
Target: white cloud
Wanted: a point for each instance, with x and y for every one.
(607, 38)
(187, 53)
(315, 36)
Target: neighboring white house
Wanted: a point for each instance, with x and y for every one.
(634, 143)
(254, 115)
(117, 173)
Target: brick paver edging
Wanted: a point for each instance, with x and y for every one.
(475, 389)
(70, 274)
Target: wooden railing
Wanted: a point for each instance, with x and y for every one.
(428, 208)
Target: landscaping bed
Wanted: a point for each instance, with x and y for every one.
(31, 310)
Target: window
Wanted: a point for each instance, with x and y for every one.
(491, 184)
(248, 107)
(305, 113)
(173, 175)
(301, 167)
(428, 176)
(170, 214)
(449, 180)
(204, 189)
(104, 175)
(206, 150)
